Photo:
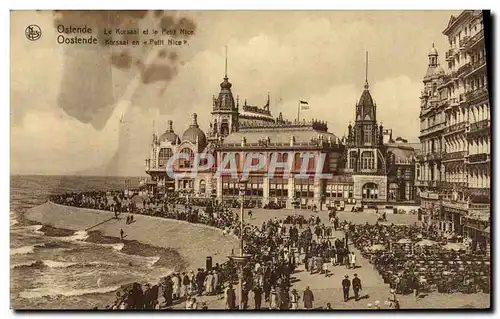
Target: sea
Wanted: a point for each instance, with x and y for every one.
(54, 268)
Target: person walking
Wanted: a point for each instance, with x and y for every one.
(346, 286)
(415, 285)
(294, 299)
(273, 299)
(308, 298)
(176, 286)
(353, 260)
(185, 285)
(325, 266)
(346, 235)
(209, 283)
(356, 286)
(230, 298)
(257, 296)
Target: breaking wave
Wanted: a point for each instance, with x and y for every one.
(34, 228)
(80, 235)
(117, 247)
(53, 292)
(62, 264)
(22, 250)
(58, 264)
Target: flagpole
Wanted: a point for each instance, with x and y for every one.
(298, 112)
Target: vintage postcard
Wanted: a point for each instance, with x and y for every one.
(250, 160)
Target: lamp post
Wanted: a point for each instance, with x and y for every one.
(241, 259)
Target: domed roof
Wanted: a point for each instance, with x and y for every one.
(194, 134)
(169, 135)
(434, 71)
(226, 84)
(433, 50)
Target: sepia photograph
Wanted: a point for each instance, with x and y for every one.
(250, 160)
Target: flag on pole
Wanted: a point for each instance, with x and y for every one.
(304, 105)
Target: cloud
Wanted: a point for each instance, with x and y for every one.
(55, 143)
(314, 56)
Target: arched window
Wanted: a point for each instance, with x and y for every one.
(163, 156)
(297, 162)
(311, 165)
(186, 161)
(285, 159)
(224, 127)
(370, 191)
(367, 160)
(203, 187)
(237, 160)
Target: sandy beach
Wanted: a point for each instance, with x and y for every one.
(194, 242)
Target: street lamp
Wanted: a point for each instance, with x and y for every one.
(241, 259)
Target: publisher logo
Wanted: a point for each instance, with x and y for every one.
(33, 32)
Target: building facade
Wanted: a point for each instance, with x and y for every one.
(455, 164)
(366, 166)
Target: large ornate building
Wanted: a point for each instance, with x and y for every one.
(455, 165)
(367, 165)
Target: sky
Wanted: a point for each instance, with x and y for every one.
(92, 109)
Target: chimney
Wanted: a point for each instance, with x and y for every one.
(170, 126)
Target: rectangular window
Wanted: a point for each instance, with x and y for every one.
(367, 134)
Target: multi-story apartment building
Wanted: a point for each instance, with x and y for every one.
(454, 167)
(430, 169)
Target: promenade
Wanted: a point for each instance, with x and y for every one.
(195, 242)
(329, 289)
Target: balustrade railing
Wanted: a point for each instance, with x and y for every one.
(454, 156)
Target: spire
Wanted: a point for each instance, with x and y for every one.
(366, 71)
(225, 84)
(365, 107)
(225, 69)
(154, 134)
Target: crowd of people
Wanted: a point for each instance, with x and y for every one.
(277, 247)
(414, 258)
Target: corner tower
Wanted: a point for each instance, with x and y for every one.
(225, 110)
(365, 150)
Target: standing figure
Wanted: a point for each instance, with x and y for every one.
(230, 298)
(294, 299)
(356, 286)
(308, 298)
(257, 296)
(346, 286)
